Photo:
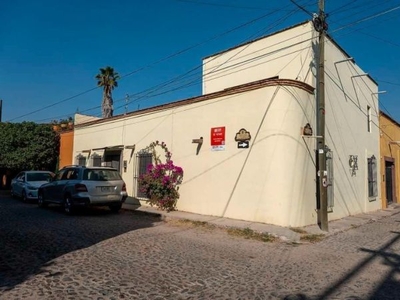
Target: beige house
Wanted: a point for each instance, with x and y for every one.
(390, 158)
(246, 145)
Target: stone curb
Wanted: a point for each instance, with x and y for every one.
(283, 233)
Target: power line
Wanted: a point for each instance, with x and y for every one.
(150, 65)
(359, 30)
(366, 7)
(135, 121)
(345, 26)
(369, 18)
(180, 76)
(228, 5)
(302, 8)
(54, 104)
(340, 7)
(388, 82)
(162, 85)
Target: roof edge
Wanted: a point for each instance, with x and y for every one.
(226, 92)
(389, 117)
(255, 40)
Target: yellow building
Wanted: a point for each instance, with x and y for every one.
(390, 158)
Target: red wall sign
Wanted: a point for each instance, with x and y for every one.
(218, 136)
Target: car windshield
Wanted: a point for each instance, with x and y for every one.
(101, 175)
(38, 176)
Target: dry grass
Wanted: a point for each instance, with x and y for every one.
(192, 224)
(298, 230)
(312, 238)
(248, 233)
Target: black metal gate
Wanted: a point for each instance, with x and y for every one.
(143, 160)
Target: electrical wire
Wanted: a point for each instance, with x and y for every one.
(368, 18)
(227, 5)
(271, 27)
(53, 104)
(388, 82)
(149, 65)
(360, 21)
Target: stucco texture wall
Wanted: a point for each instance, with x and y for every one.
(287, 54)
(272, 181)
(348, 96)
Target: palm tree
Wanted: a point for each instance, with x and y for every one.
(107, 78)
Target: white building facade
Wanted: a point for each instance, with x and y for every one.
(258, 98)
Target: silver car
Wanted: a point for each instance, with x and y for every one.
(27, 183)
(79, 186)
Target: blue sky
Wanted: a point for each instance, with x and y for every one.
(51, 50)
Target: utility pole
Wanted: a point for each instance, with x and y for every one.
(321, 27)
(126, 103)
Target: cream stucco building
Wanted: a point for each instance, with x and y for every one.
(265, 89)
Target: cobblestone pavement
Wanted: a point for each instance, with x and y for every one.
(45, 254)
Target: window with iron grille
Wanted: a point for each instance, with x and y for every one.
(372, 177)
(144, 159)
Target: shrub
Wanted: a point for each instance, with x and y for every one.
(161, 181)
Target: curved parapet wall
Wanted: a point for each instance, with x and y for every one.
(273, 180)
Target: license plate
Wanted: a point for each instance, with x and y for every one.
(105, 188)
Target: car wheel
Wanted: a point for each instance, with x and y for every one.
(24, 199)
(41, 201)
(115, 207)
(68, 209)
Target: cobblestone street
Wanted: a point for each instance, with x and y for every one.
(96, 254)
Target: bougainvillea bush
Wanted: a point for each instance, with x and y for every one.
(161, 181)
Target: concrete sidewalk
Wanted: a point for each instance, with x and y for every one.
(284, 233)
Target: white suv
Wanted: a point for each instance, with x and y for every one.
(79, 186)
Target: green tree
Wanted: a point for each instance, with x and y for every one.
(107, 78)
(28, 146)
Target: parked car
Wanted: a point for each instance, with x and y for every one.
(80, 186)
(27, 183)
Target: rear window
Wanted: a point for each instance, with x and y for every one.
(38, 176)
(101, 175)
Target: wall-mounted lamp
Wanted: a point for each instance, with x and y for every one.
(199, 142)
(353, 164)
(347, 59)
(307, 130)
